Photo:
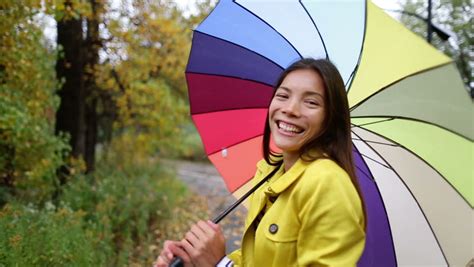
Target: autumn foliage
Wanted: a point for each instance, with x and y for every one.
(84, 121)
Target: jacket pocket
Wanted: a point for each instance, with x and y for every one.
(278, 244)
(280, 231)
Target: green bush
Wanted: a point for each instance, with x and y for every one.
(122, 204)
(100, 220)
(44, 237)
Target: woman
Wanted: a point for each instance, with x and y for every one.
(310, 213)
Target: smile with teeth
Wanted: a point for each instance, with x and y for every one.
(290, 128)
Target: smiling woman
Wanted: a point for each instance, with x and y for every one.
(309, 213)
(297, 112)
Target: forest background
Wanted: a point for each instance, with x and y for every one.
(86, 121)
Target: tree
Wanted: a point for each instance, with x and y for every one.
(76, 66)
(30, 153)
(147, 48)
(117, 73)
(454, 16)
(93, 44)
(70, 117)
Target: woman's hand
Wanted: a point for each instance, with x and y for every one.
(204, 244)
(170, 250)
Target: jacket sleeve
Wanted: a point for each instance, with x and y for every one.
(332, 222)
(236, 257)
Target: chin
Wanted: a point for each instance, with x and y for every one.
(289, 148)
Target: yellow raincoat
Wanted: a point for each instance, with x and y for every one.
(316, 219)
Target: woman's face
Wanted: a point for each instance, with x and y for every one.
(297, 111)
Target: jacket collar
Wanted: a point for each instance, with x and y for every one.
(278, 183)
(284, 180)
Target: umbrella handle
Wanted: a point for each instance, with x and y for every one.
(178, 262)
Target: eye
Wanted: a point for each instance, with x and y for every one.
(312, 102)
(281, 96)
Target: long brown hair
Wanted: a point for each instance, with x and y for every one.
(335, 138)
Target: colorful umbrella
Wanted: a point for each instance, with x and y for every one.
(411, 116)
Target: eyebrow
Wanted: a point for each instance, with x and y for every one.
(305, 93)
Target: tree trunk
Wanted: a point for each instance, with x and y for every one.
(7, 175)
(77, 113)
(93, 44)
(70, 117)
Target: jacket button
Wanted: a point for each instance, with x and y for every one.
(273, 228)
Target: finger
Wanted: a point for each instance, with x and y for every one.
(179, 251)
(198, 231)
(160, 262)
(192, 239)
(189, 248)
(215, 231)
(206, 228)
(166, 255)
(166, 252)
(214, 226)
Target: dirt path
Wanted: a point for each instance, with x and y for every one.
(204, 180)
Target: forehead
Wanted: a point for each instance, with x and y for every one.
(304, 80)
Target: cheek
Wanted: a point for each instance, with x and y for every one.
(322, 127)
(319, 122)
(272, 105)
(271, 109)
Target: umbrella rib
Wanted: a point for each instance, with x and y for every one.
(356, 68)
(375, 142)
(229, 76)
(365, 156)
(369, 123)
(357, 167)
(270, 26)
(229, 109)
(376, 161)
(317, 30)
(351, 77)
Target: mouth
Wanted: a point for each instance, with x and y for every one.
(289, 128)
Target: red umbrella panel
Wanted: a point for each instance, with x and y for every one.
(229, 111)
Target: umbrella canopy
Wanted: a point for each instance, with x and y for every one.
(411, 116)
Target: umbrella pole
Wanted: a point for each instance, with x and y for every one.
(178, 262)
(222, 215)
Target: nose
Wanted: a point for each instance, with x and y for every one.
(291, 108)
